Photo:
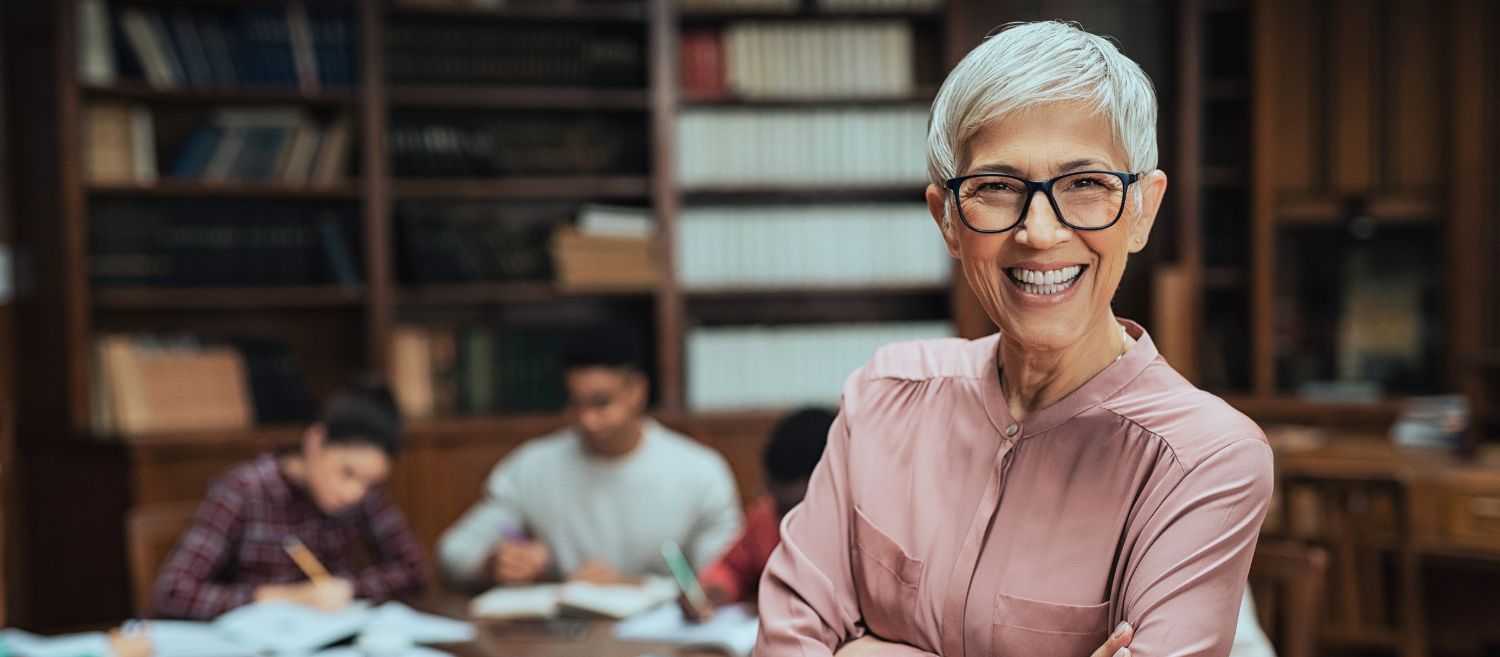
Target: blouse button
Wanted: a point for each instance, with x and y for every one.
(1011, 430)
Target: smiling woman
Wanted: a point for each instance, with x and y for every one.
(1028, 492)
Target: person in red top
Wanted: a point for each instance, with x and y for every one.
(327, 493)
(795, 448)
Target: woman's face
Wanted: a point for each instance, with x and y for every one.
(1040, 144)
(340, 475)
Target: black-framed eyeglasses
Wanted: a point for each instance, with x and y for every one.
(1082, 200)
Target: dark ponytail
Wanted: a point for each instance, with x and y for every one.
(364, 413)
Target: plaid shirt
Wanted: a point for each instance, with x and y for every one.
(234, 544)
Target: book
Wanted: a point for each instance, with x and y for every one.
(572, 599)
(106, 142)
(810, 246)
(96, 50)
(156, 386)
(733, 629)
(284, 628)
(739, 148)
(739, 367)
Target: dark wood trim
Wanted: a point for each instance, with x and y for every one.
(379, 257)
(583, 98)
(804, 12)
(666, 198)
(752, 295)
(235, 189)
(761, 194)
(74, 218)
(502, 293)
(582, 11)
(1189, 181)
(1264, 20)
(575, 187)
(226, 297)
(140, 91)
(922, 97)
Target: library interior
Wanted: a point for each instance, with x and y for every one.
(412, 328)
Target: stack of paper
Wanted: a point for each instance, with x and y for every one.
(546, 601)
(270, 627)
(733, 629)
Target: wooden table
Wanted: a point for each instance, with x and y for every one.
(1375, 505)
(501, 639)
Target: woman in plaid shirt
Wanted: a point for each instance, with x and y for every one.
(326, 493)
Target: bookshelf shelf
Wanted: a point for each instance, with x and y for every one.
(575, 187)
(504, 293)
(226, 298)
(923, 96)
(1237, 90)
(520, 98)
(833, 193)
(584, 11)
(265, 436)
(709, 17)
(1390, 210)
(1225, 278)
(139, 91)
(752, 295)
(1224, 176)
(169, 188)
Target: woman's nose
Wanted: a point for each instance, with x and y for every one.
(1042, 228)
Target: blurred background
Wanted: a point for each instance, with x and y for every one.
(215, 211)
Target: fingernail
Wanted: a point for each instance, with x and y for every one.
(1119, 632)
(1123, 652)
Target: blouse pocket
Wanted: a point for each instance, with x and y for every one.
(1031, 627)
(886, 580)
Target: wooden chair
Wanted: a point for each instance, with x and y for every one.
(151, 531)
(1287, 580)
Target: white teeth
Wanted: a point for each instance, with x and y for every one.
(1047, 282)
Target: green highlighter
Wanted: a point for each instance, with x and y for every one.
(682, 571)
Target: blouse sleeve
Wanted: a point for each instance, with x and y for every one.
(808, 605)
(1184, 590)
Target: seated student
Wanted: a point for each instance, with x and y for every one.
(325, 493)
(795, 448)
(595, 500)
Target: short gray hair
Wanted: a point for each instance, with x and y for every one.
(1028, 64)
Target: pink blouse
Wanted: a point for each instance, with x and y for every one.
(937, 521)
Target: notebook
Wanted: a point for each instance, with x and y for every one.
(573, 599)
(286, 628)
(732, 630)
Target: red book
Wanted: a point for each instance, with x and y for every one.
(702, 64)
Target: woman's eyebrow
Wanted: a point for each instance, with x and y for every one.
(1013, 171)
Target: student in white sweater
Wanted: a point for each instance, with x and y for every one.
(594, 501)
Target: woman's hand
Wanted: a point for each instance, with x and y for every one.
(1117, 645)
(331, 595)
(130, 643)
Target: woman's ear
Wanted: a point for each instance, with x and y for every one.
(1153, 188)
(313, 439)
(937, 205)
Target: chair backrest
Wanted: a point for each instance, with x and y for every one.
(151, 531)
(1287, 579)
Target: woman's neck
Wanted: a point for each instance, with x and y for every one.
(1035, 379)
(293, 468)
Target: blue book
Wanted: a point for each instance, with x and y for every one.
(196, 151)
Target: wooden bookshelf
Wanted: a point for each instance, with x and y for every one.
(922, 97)
(168, 188)
(232, 298)
(811, 194)
(582, 11)
(506, 293)
(139, 91)
(599, 187)
(521, 98)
